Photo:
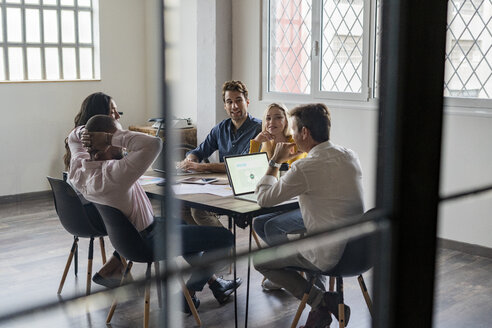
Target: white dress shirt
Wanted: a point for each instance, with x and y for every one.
(329, 185)
(115, 182)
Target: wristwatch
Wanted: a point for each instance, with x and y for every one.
(272, 163)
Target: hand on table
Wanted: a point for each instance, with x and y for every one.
(189, 164)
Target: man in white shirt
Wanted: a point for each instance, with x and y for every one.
(329, 185)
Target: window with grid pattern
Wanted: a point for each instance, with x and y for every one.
(48, 40)
(331, 48)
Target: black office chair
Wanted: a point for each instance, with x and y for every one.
(80, 221)
(129, 243)
(356, 259)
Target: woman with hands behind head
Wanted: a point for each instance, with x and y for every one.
(274, 137)
(97, 103)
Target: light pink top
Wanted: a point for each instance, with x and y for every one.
(115, 182)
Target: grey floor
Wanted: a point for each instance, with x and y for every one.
(34, 247)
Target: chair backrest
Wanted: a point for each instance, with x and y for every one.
(357, 257)
(124, 236)
(72, 213)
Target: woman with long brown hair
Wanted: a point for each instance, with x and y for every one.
(94, 104)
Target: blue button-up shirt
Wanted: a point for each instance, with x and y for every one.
(223, 138)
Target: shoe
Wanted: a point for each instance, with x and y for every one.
(222, 288)
(318, 318)
(106, 282)
(269, 285)
(186, 307)
(331, 301)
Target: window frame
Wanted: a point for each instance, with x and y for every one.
(60, 45)
(367, 98)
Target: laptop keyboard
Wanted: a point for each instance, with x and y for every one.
(250, 197)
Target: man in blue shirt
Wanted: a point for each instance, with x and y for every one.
(229, 137)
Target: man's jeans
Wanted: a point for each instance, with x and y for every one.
(197, 242)
(274, 227)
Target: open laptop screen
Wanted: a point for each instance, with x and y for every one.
(244, 171)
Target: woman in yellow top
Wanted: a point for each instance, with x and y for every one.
(275, 128)
(274, 227)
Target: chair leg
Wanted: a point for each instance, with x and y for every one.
(341, 305)
(304, 299)
(115, 302)
(365, 293)
(190, 301)
(230, 223)
(123, 261)
(103, 249)
(158, 283)
(257, 240)
(76, 258)
(89, 267)
(67, 266)
(147, 296)
(332, 284)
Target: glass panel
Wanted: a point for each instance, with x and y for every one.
(84, 3)
(341, 66)
(50, 26)
(85, 27)
(12, 1)
(1, 24)
(52, 64)
(14, 30)
(377, 48)
(68, 26)
(31, 2)
(85, 63)
(69, 64)
(468, 68)
(66, 2)
(2, 68)
(16, 66)
(34, 63)
(290, 46)
(33, 33)
(49, 2)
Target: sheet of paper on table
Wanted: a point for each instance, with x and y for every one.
(219, 190)
(146, 180)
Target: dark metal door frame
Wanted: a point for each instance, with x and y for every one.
(409, 157)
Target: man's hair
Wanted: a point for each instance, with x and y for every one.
(101, 123)
(234, 86)
(316, 118)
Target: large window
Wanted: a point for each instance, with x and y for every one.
(329, 49)
(48, 40)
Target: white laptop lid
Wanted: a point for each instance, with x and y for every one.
(244, 171)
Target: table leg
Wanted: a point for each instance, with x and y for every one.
(249, 275)
(235, 275)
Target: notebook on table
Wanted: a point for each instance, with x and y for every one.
(244, 172)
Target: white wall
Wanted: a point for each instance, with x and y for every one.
(467, 164)
(36, 117)
(467, 150)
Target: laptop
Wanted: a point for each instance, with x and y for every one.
(244, 172)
